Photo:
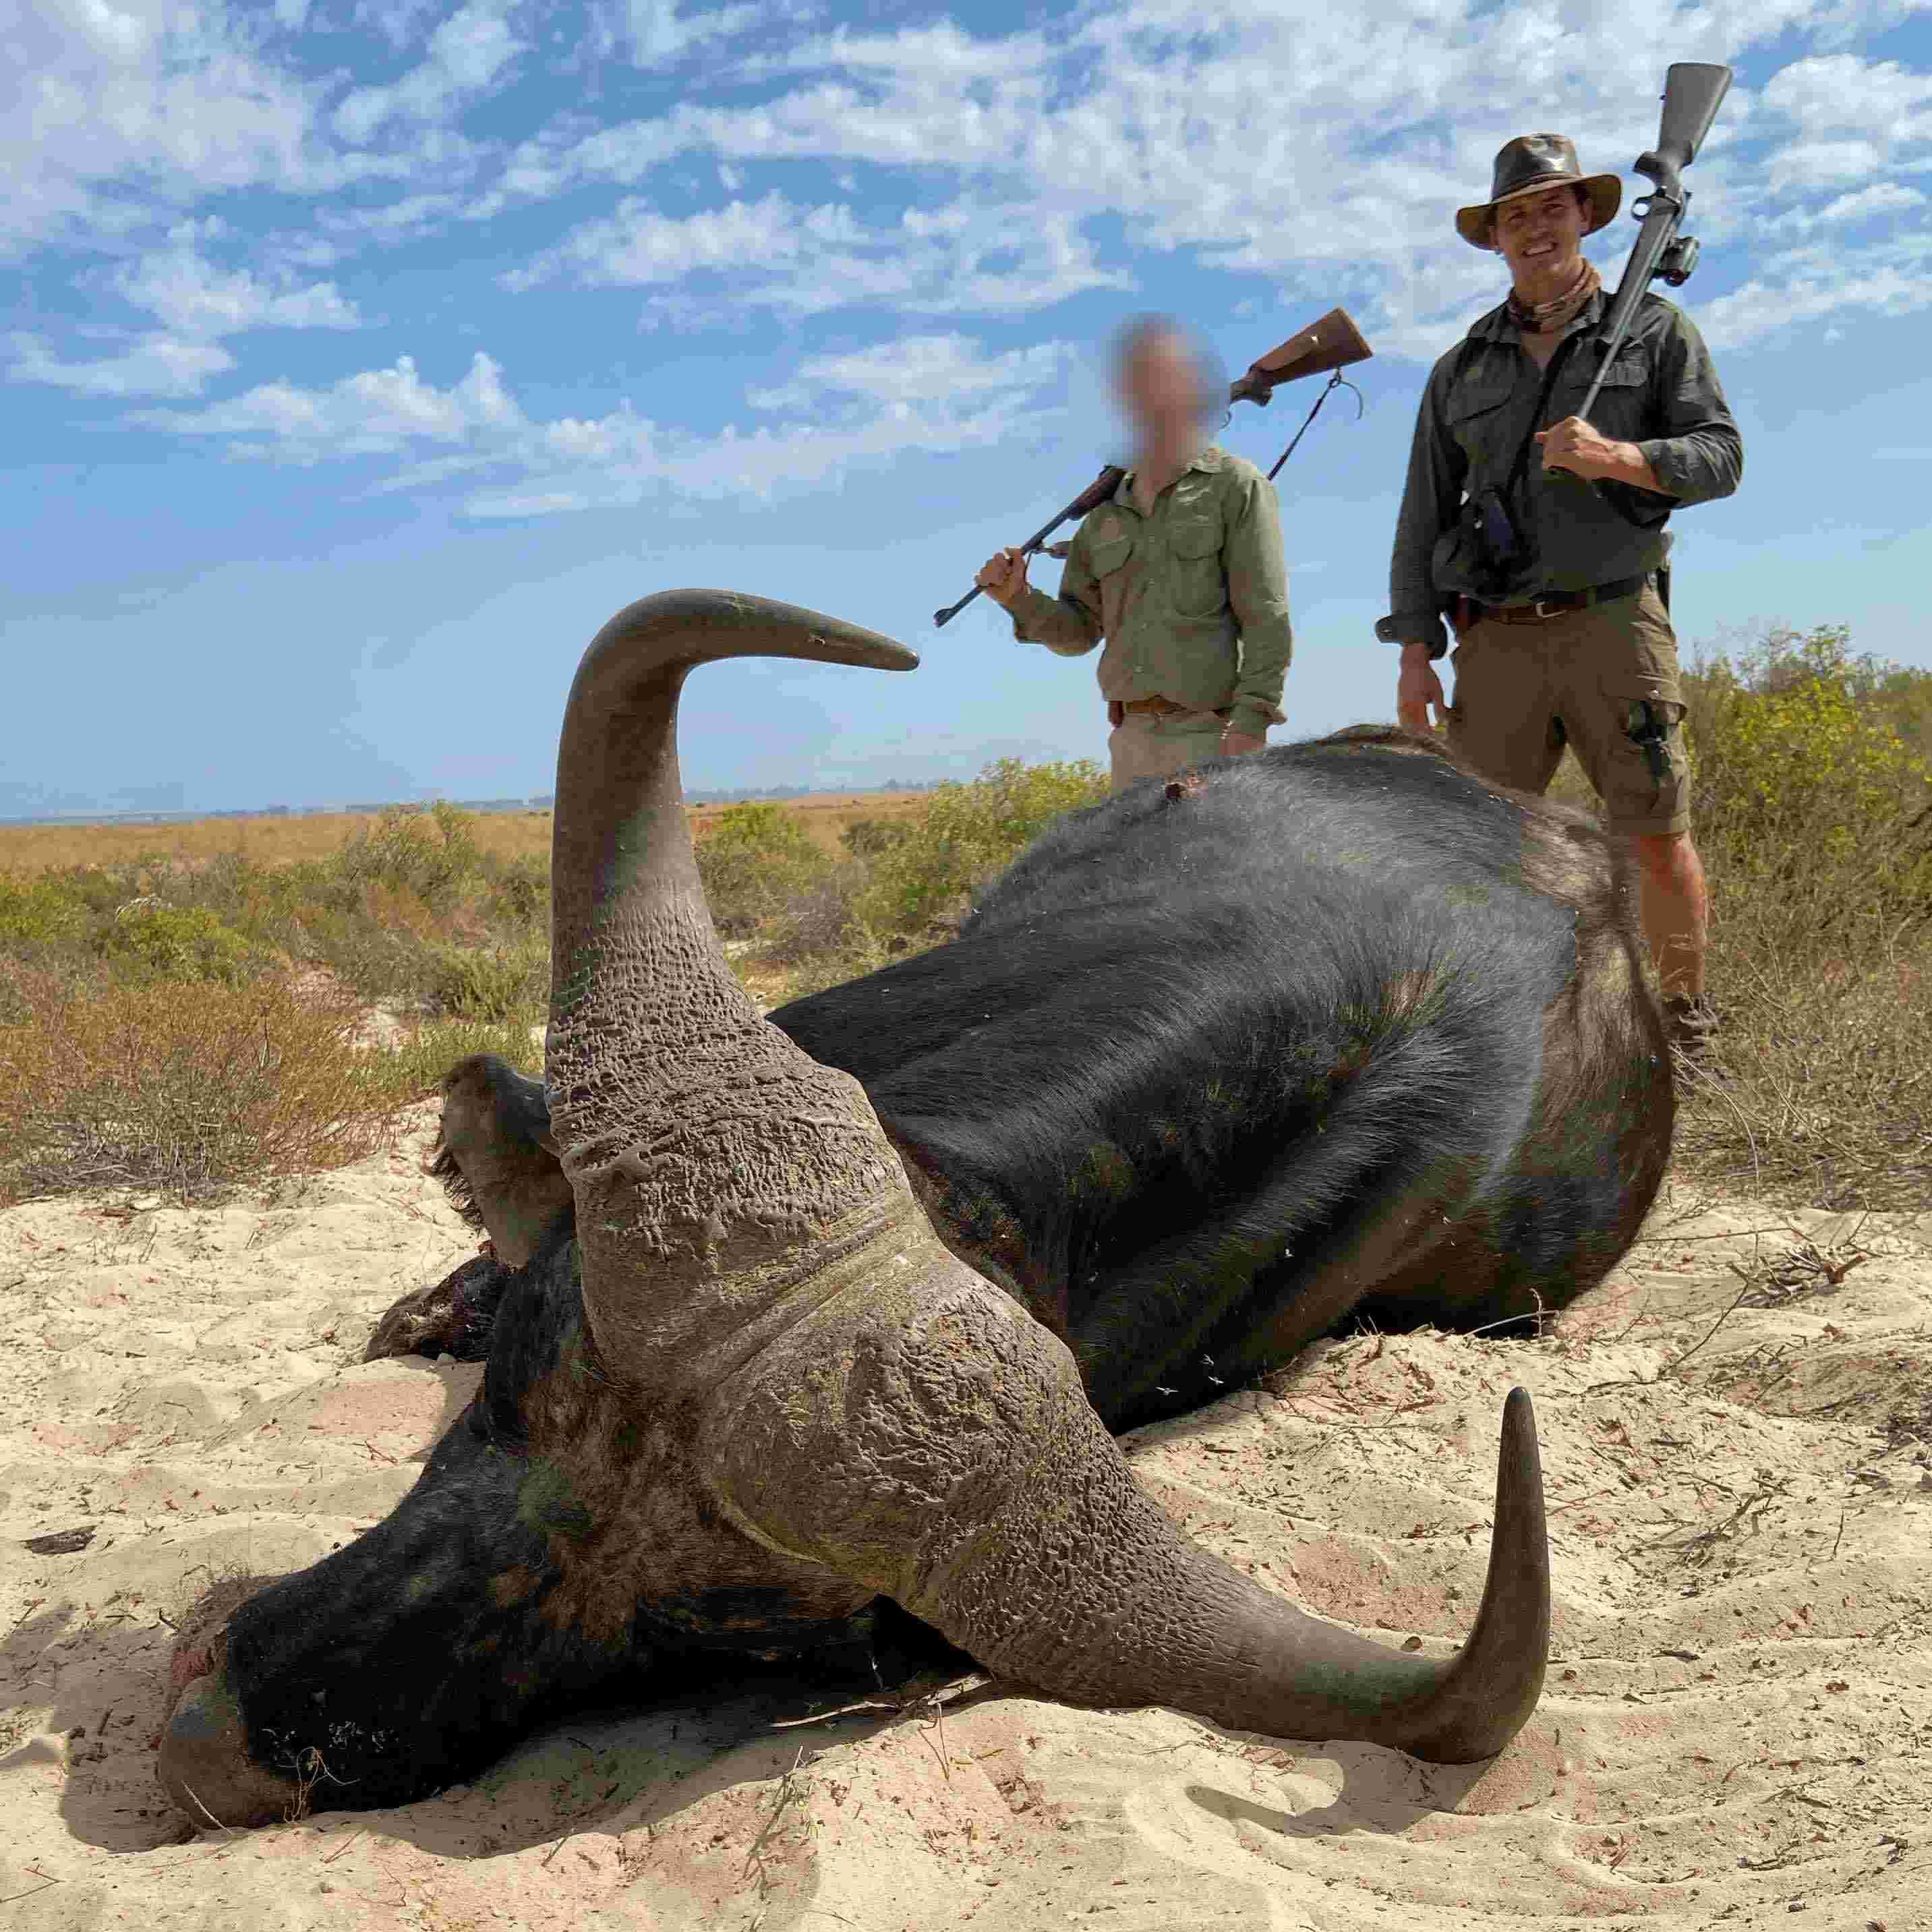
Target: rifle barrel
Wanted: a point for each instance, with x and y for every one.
(1692, 94)
(1653, 238)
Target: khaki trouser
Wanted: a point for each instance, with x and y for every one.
(1601, 680)
(1147, 745)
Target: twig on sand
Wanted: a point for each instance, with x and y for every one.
(1801, 1272)
(209, 1815)
(341, 1848)
(949, 1693)
(939, 1749)
(787, 1793)
(1671, 1368)
(559, 1846)
(843, 1711)
(14, 1897)
(1697, 1549)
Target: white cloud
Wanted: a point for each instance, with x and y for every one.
(193, 296)
(165, 94)
(155, 365)
(918, 369)
(400, 22)
(465, 56)
(774, 253)
(1881, 198)
(380, 412)
(1840, 92)
(652, 33)
(1891, 277)
(945, 396)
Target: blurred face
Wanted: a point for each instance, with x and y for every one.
(1541, 238)
(1159, 384)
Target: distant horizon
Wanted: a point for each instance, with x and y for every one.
(364, 808)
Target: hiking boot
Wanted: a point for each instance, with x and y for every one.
(1690, 1022)
(1688, 1025)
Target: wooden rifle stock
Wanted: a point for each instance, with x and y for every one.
(1333, 342)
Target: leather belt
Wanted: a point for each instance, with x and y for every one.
(1554, 603)
(1161, 707)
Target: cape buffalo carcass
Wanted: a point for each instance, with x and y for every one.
(1332, 1030)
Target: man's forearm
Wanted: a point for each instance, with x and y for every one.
(1625, 462)
(1698, 466)
(1431, 492)
(1060, 623)
(1264, 657)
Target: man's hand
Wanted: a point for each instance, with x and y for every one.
(1003, 577)
(1237, 744)
(1417, 690)
(1573, 446)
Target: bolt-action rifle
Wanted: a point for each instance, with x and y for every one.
(1692, 94)
(1332, 344)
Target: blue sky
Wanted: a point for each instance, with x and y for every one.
(361, 357)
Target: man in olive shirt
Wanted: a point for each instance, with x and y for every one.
(1565, 635)
(1182, 572)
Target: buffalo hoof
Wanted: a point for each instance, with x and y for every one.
(204, 1765)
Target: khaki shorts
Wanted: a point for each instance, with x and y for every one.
(1583, 679)
(1144, 746)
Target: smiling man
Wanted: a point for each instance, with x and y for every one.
(1541, 536)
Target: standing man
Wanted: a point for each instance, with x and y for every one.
(1181, 571)
(1543, 537)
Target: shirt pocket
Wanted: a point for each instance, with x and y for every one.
(1104, 559)
(1473, 418)
(1199, 587)
(1621, 409)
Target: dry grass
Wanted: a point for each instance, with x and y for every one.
(104, 1084)
(286, 841)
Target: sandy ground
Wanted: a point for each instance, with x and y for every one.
(1737, 1729)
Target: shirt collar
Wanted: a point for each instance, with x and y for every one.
(1210, 457)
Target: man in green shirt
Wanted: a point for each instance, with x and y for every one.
(1558, 602)
(1181, 572)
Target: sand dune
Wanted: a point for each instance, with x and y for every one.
(1735, 1733)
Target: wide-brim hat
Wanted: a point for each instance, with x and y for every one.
(1528, 165)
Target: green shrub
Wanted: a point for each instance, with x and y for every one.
(518, 893)
(867, 837)
(820, 921)
(495, 984)
(1812, 811)
(148, 936)
(753, 859)
(967, 835)
(379, 960)
(414, 1070)
(430, 853)
(39, 912)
